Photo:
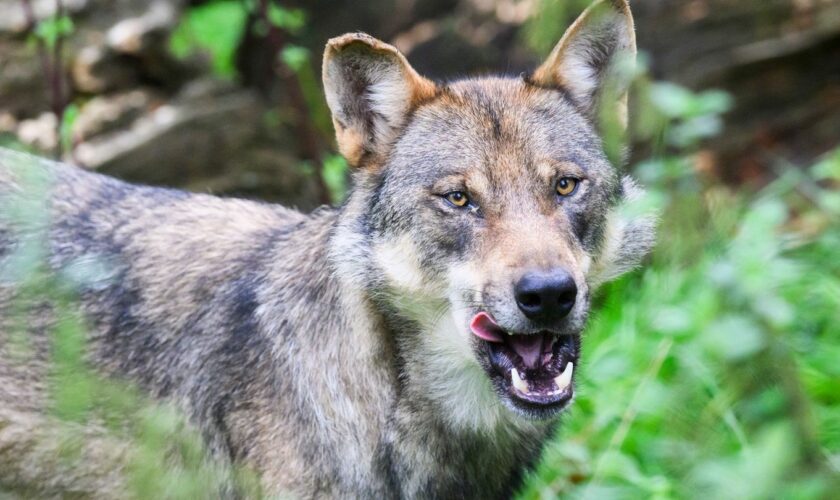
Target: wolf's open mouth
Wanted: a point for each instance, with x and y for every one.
(536, 369)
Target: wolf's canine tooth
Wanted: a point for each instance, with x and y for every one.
(518, 383)
(564, 379)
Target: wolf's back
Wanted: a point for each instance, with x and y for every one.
(168, 284)
(155, 270)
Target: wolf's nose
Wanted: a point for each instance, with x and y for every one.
(546, 297)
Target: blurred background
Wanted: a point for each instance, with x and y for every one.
(713, 372)
(225, 95)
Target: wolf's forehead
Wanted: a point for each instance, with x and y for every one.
(507, 106)
(495, 122)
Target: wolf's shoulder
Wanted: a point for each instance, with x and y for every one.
(166, 232)
(71, 191)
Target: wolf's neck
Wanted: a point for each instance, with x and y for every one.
(434, 416)
(448, 422)
(330, 361)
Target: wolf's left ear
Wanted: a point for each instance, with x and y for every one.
(580, 62)
(370, 89)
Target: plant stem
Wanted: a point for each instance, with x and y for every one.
(52, 69)
(57, 76)
(307, 134)
(630, 412)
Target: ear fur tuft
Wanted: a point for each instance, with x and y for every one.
(629, 237)
(580, 62)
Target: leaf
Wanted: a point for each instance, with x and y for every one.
(51, 30)
(295, 57)
(735, 337)
(291, 20)
(335, 177)
(68, 119)
(214, 28)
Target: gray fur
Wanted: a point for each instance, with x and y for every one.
(329, 352)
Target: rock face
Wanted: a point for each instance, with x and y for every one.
(780, 60)
(147, 116)
(144, 115)
(14, 19)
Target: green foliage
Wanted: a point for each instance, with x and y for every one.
(68, 119)
(52, 29)
(295, 57)
(291, 20)
(544, 29)
(696, 116)
(334, 172)
(713, 372)
(214, 28)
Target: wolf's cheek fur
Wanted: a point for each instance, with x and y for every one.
(628, 237)
(399, 260)
(453, 377)
(440, 356)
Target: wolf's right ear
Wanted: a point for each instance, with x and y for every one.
(580, 62)
(370, 89)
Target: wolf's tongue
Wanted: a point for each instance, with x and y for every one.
(529, 348)
(483, 326)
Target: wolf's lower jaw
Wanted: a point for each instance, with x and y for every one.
(527, 390)
(542, 387)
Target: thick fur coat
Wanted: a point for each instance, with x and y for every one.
(340, 353)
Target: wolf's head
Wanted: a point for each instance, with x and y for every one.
(485, 211)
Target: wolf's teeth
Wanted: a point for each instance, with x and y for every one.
(518, 383)
(564, 379)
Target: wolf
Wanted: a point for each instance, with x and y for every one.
(419, 341)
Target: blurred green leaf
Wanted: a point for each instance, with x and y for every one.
(292, 20)
(295, 57)
(828, 167)
(50, 30)
(68, 120)
(335, 177)
(545, 28)
(735, 337)
(676, 101)
(214, 28)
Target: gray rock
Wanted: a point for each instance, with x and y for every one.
(8, 123)
(145, 33)
(175, 140)
(104, 114)
(13, 16)
(41, 132)
(95, 69)
(22, 91)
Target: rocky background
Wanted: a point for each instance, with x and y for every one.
(123, 87)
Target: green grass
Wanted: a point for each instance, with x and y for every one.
(715, 371)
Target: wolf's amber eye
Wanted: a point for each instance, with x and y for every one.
(566, 186)
(457, 198)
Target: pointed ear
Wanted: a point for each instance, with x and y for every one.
(370, 89)
(580, 62)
